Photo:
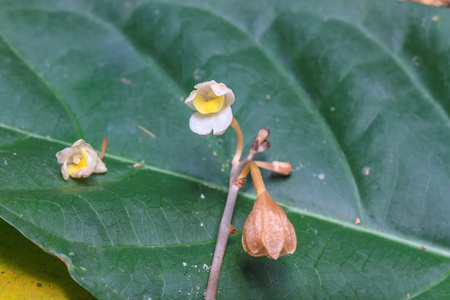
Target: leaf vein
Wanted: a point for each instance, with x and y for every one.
(44, 83)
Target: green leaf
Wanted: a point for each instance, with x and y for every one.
(354, 93)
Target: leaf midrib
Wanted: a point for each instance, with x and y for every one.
(437, 250)
(250, 197)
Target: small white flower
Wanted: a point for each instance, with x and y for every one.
(79, 161)
(212, 102)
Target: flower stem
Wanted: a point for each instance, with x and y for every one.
(265, 165)
(258, 182)
(281, 168)
(240, 142)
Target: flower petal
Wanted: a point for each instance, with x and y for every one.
(189, 99)
(201, 124)
(222, 120)
(83, 172)
(221, 89)
(101, 168)
(64, 170)
(62, 155)
(218, 122)
(199, 85)
(78, 144)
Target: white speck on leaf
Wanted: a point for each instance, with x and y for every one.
(202, 196)
(198, 74)
(125, 80)
(321, 176)
(417, 60)
(201, 224)
(184, 264)
(366, 171)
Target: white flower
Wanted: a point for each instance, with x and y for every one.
(80, 160)
(212, 102)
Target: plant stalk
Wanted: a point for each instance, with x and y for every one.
(224, 229)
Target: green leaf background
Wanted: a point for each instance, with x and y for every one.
(355, 94)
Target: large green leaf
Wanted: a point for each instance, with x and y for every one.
(354, 92)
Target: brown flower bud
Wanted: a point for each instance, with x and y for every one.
(282, 168)
(262, 136)
(263, 147)
(261, 144)
(267, 231)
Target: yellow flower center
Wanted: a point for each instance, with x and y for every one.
(204, 106)
(79, 162)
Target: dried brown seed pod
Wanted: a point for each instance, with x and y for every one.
(267, 230)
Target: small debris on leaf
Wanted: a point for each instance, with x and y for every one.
(147, 131)
(125, 80)
(138, 165)
(366, 171)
